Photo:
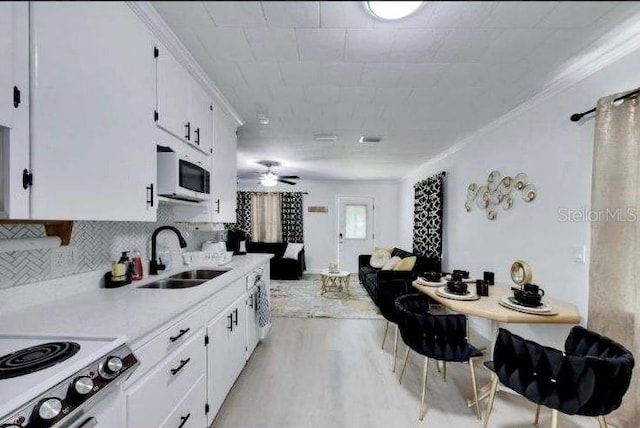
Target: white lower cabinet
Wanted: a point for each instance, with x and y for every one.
(154, 397)
(225, 353)
(190, 413)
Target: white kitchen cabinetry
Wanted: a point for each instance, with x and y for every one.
(6, 64)
(154, 398)
(183, 108)
(92, 91)
(225, 353)
(224, 173)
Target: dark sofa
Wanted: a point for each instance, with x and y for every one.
(371, 277)
(280, 268)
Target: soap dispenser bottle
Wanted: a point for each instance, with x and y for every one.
(136, 263)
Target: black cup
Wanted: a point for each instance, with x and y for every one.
(462, 274)
(457, 287)
(489, 278)
(432, 276)
(482, 288)
(533, 288)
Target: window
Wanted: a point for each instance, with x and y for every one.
(355, 217)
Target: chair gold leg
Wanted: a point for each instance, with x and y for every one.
(492, 396)
(404, 366)
(475, 387)
(602, 421)
(386, 330)
(444, 371)
(554, 418)
(395, 351)
(424, 387)
(537, 417)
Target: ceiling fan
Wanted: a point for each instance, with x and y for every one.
(270, 178)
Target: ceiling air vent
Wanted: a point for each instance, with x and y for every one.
(370, 139)
(331, 138)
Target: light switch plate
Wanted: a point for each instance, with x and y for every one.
(579, 254)
(63, 260)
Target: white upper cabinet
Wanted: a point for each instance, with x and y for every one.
(202, 117)
(183, 107)
(6, 64)
(225, 170)
(173, 86)
(93, 92)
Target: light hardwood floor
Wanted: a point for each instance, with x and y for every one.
(321, 373)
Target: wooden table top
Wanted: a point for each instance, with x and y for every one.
(488, 307)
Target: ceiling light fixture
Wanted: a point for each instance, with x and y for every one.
(269, 179)
(326, 137)
(391, 10)
(263, 119)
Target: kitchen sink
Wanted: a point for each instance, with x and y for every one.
(174, 283)
(198, 274)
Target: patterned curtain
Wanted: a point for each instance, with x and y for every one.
(292, 212)
(243, 213)
(427, 216)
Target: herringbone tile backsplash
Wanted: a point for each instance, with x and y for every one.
(96, 244)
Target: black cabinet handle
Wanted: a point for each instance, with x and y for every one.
(197, 132)
(218, 206)
(180, 334)
(180, 367)
(251, 301)
(236, 311)
(150, 195)
(230, 318)
(188, 131)
(184, 419)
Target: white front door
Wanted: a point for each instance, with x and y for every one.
(355, 230)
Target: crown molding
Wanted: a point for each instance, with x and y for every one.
(605, 51)
(152, 19)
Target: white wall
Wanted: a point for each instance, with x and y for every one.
(557, 156)
(320, 230)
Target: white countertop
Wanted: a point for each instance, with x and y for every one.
(127, 311)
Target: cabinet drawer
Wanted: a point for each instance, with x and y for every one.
(190, 411)
(224, 298)
(154, 396)
(169, 339)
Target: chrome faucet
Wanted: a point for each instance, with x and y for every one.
(154, 265)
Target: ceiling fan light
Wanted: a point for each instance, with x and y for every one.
(269, 179)
(391, 10)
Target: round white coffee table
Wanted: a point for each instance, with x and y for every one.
(335, 281)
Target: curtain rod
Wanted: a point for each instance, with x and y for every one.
(576, 117)
(256, 191)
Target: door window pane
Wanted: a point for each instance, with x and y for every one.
(355, 218)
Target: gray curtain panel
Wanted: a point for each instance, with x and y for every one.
(614, 296)
(292, 217)
(427, 216)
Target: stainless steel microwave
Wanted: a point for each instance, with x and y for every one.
(182, 178)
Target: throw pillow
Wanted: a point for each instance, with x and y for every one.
(379, 257)
(391, 263)
(406, 264)
(292, 251)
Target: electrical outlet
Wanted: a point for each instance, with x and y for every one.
(63, 260)
(579, 254)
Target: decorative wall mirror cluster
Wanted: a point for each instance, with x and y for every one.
(499, 192)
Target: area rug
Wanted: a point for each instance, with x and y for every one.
(302, 299)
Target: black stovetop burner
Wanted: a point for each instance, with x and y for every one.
(36, 358)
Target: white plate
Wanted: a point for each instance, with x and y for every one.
(426, 283)
(468, 280)
(442, 292)
(541, 310)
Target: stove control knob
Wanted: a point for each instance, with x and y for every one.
(111, 367)
(82, 385)
(49, 408)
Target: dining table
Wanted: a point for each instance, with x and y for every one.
(489, 307)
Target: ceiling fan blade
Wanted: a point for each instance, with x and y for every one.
(286, 182)
(294, 177)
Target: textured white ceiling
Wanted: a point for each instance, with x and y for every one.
(422, 83)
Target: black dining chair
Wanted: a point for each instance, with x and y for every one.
(589, 378)
(439, 337)
(388, 292)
